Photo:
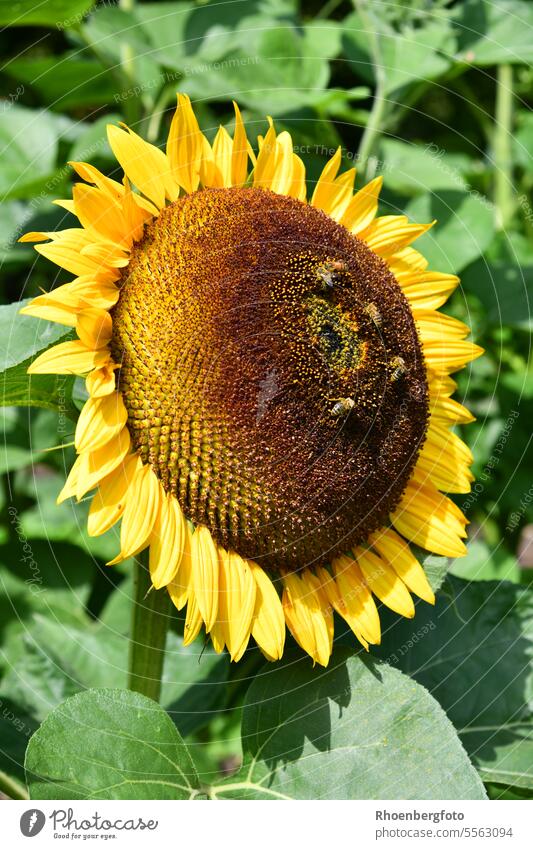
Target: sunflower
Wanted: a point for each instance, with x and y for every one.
(269, 395)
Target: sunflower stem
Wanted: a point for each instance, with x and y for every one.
(502, 146)
(11, 788)
(149, 626)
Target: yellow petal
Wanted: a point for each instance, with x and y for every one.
(167, 542)
(331, 590)
(94, 327)
(193, 621)
(427, 289)
(63, 304)
(446, 459)
(66, 251)
(69, 358)
(100, 420)
(237, 592)
(282, 177)
(391, 233)
(436, 327)
(449, 411)
(363, 207)
(109, 501)
(205, 570)
(185, 145)
(305, 618)
(142, 508)
(180, 585)
(322, 193)
(430, 520)
(91, 174)
(101, 381)
(384, 582)
(266, 160)
(450, 357)
(239, 156)
(357, 598)
(397, 553)
(100, 214)
(144, 164)
(222, 152)
(135, 216)
(92, 467)
(406, 260)
(268, 624)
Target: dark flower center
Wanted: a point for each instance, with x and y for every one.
(272, 374)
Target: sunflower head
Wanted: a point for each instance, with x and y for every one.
(269, 392)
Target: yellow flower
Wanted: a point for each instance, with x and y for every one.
(269, 385)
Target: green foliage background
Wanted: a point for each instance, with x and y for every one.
(437, 97)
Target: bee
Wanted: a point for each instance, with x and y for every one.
(327, 271)
(342, 406)
(398, 368)
(374, 314)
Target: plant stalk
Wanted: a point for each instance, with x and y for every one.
(150, 620)
(374, 125)
(502, 146)
(11, 788)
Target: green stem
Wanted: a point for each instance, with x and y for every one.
(150, 621)
(11, 787)
(374, 125)
(502, 146)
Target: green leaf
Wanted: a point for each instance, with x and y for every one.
(55, 659)
(464, 228)
(65, 82)
(58, 13)
(486, 563)
(494, 33)
(109, 744)
(28, 140)
(412, 169)
(277, 71)
(356, 730)
(14, 216)
(474, 653)
(108, 30)
(505, 291)
(408, 57)
(435, 566)
(21, 338)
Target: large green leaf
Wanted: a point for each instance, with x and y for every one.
(491, 33)
(407, 57)
(474, 653)
(109, 744)
(57, 13)
(412, 169)
(504, 289)
(28, 140)
(275, 71)
(21, 338)
(356, 730)
(53, 659)
(464, 228)
(65, 82)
